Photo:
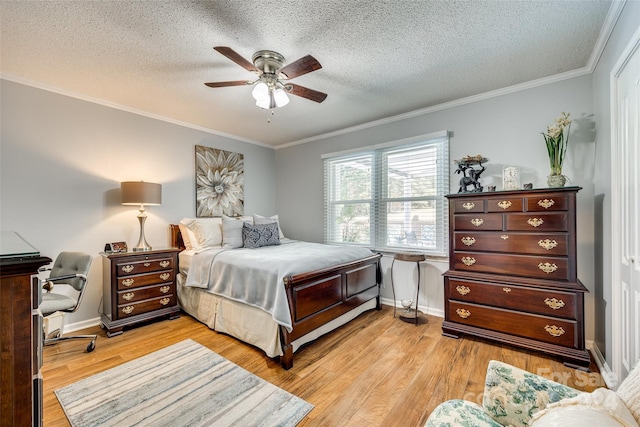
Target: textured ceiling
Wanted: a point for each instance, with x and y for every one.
(379, 58)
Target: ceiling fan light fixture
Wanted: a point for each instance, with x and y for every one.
(280, 97)
(260, 92)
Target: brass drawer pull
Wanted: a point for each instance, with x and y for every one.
(535, 222)
(164, 264)
(128, 282)
(463, 290)
(128, 309)
(505, 204)
(165, 276)
(468, 240)
(127, 268)
(547, 244)
(547, 268)
(463, 313)
(165, 301)
(147, 264)
(554, 303)
(504, 236)
(506, 290)
(468, 205)
(165, 289)
(468, 261)
(477, 222)
(546, 203)
(554, 330)
(128, 296)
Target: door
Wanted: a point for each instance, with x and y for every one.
(626, 210)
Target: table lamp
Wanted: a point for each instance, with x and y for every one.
(141, 193)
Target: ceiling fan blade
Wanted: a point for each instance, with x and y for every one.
(302, 66)
(235, 57)
(304, 92)
(231, 83)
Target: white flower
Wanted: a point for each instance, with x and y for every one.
(219, 182)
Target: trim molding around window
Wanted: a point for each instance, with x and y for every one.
(391, 196)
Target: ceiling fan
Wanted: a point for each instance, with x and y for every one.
(272, 84)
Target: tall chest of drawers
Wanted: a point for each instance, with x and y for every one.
(512, 271)
(138, 287)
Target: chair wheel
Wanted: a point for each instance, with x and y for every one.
(91, 346)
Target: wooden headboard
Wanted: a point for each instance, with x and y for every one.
(176, 237)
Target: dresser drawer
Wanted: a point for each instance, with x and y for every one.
(542, 328)
(462, 206)
(537, 222)
(478, 222)
(139, 294)
(505, 204)
(144, 265)
(129, 282)
(539, 301)
(514, 265)
(548, 203)
(135, 308)
(523, 243)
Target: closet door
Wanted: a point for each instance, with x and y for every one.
(626, 210)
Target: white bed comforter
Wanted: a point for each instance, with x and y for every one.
(256, 276)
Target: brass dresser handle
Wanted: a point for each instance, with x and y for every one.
(506, 290)
(547, 267)
(128, 309)
(463, 290)
(128, 296)
(147, 264)
(554, 303)
(546, 203)
(165, 301)
(505, 204)
(463, 313)
(468, 205)
(535, 222)
(547, 244)
(165, 276)
(165, 289)
(164, 264)
(554, 330)
(468, 261)
(127, 268)
(128, 282)
(468, 240)
(477, 222)
(504, 236)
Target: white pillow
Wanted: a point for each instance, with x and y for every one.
(187, 236)
(259, 219)
(629, 392)
(601, 408)
(203, 232)
(232, 231)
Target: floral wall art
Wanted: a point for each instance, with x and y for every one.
(219, 182)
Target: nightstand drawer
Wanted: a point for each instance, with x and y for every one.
(548, 203)
(505, 204)
(555, 244)
(462, 206)
(537, 222)
(133, 309)
(542, 328)
(129, 282)
(539, 301)
(139, 294)
(478, 222)
(143, 265)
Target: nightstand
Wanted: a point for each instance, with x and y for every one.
(138, 287)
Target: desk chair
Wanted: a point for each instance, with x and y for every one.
(70, 269)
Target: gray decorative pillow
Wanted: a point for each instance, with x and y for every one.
(256, 236)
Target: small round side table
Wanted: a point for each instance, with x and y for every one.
(407, 257)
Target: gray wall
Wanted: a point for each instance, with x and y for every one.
(62, 161)
(627, 25)
(506, 129)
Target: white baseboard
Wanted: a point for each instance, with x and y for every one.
(428, 310)
(605, 370)
(72, 327)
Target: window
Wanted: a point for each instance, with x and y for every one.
(390, 196)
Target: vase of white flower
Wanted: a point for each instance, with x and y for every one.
(557, 139)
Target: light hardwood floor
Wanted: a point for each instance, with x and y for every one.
(374, 371)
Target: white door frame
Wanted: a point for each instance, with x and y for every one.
(617, 367)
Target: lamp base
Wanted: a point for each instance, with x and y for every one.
(142, 245)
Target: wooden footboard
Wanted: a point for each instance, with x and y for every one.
(318, 297)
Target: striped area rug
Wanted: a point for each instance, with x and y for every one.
(185, 384)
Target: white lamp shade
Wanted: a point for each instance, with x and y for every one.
(281, 98)
(260, 92)
(141, 193)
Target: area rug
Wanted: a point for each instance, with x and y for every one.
(185, 384)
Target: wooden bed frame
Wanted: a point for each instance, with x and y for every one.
(317, 297)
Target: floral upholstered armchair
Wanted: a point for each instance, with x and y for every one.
(514, 397)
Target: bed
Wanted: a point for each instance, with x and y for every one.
(313, 302)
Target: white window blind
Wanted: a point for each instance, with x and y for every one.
(391, 196)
